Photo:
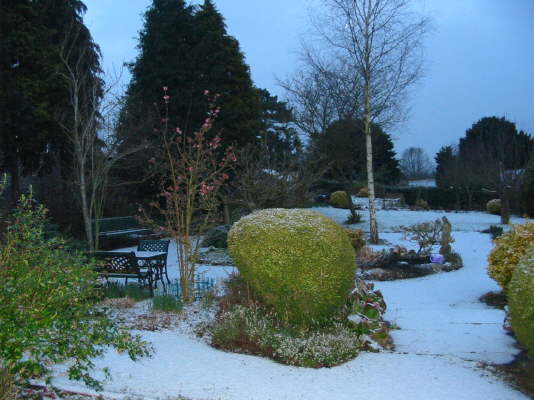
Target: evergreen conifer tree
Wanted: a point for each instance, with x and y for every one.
(31, 91)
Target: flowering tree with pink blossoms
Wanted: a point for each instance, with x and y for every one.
(190, 171)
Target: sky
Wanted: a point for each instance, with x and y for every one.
(479, 58)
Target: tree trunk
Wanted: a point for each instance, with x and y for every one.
(373, 226)
(85, 208)
(15, 183)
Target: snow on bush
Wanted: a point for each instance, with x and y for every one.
(521, 301)
(299, 262)
(509, 248)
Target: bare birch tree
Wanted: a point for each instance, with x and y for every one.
(379, 44)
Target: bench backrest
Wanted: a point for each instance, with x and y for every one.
(154, 245)
(118, 262)
(117, 224)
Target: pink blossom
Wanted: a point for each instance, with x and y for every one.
(166, 98)
(165, 88)
(178, 131)
(206, 92)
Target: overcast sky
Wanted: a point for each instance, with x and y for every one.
(479, 57)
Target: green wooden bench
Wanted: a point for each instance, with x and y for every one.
(120, 226)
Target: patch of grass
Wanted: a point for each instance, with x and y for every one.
(115, 290)
(167, 303)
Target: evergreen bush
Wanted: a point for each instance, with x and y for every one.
(339, 199)
(494, 206)
(508, 250)
(299, 262)
(521, 301)
(47, 304)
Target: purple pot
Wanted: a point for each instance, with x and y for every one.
(437, 258)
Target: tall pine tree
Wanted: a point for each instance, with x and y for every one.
(32, 93)
(189, 51)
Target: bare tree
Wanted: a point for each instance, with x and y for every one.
(88, 127)
(415, 164)
(378, 43)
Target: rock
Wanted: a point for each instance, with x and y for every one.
(217, 237)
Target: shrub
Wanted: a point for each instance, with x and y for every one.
(167, 303)
(245, 326)
(521, 301)
(426, 235)
(509, 248)
(339, 199)
(421, 204)
(47, 304)
(353, 218)
(363, 192)
(495, 231)
(299, 262)
(494, 206)
(357, 239)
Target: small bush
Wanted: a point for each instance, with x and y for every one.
(339, 199)
(357, 239)
(299, 262)
(167, 303)
(494, 206)
(353, 219)
(421, 204)
(521, 301)
(425, 234)
(495, 231)
(363, 192)
(509, 248)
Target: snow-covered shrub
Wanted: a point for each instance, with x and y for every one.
(299, 262)
(339, 199)
(254, 329)
(426, 234)
(509, 248)
(357, 238)
(521, 301)
(494, 206)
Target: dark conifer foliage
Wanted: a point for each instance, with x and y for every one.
(32, 94)
(188, 50)
(343, 144)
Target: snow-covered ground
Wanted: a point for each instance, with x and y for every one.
(445, 332)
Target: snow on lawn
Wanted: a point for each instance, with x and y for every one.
(444, 333)
(390, 220)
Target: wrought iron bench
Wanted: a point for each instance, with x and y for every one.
(114, 264)
(119, 226)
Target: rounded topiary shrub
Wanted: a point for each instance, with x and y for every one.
(299, 262)
(521, 301)
(509, 248)
(339, 199)
(494, 206)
